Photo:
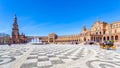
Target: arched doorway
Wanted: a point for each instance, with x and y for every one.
(84, 39)
(97, 39)
(91, 38)
(107, 37)
(112, 38)
(94, 38)
(104, 38)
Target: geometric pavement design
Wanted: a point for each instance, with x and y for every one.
(57, 56)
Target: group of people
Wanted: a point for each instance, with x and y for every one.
(109, 42)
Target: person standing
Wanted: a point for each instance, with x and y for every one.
(9, 43)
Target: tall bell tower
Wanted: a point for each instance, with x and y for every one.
(15, 31)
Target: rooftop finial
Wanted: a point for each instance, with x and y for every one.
(15, 15)
(97, 19)
(84, 27)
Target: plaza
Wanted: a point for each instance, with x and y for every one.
(57, 56)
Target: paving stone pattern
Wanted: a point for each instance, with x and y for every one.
(58, 56)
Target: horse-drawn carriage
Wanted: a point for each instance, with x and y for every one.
(108, 45)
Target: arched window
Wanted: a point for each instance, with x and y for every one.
(116, 37)
(96, 32)
(100, 33)
(84, 39)
(88, 39)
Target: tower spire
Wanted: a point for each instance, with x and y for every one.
(15, 20)
(15, 25)
(84, 28)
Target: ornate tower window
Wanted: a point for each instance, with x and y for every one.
(103, 32)
(116, 37)
(100, 33)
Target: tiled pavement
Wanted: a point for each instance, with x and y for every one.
(49, 56)
(57, 56)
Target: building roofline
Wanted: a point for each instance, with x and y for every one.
(115, 22)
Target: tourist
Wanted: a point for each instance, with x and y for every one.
(105, 42)
(9, 43)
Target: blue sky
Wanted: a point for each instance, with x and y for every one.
(63, 17)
